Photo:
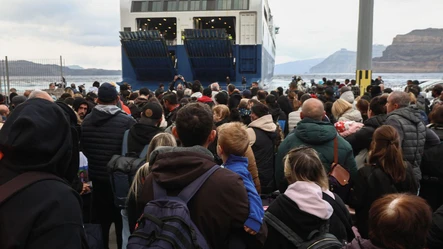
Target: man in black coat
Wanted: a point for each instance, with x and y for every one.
(101, 138)
(47, 214)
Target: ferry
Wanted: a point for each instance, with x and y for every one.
(225, 41)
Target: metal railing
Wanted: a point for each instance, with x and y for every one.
(29, 74)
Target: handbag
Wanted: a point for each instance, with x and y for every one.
(339, 177)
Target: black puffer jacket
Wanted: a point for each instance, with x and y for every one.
(412, 135)
(102, 136)
(362, 138)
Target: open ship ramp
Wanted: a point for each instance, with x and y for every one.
(210, 53)
(148, 54)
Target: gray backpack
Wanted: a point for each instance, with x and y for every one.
(166, 221)
(318, 239)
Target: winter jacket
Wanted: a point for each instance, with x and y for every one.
(262, 135)
(285, 104)
(102, 137)
(360, 243)
(303, 209)
(239, 165)
(351, 115)
(437, 129)
(362, 139)
(171, 115)
(348, 96)
(47, 214)
(435, 236)
(277, 114)
(431, 183)
(371, 184)
(413, 135)
(206, 100)
(139, 136)
(320, 136)
(219, 209)
(293, 119)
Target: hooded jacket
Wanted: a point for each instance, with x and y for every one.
(102, 137)
(348, 96)
(413, 135)
(371, 184)
(47, 214)
(362, 138)
(302, 209)
(140, 135)
(320, 136)
(78, 102)
(262, 135)
(351, 115)
(220, 207)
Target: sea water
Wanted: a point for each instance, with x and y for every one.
(395, 81)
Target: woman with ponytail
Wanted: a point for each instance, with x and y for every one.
(386, 173)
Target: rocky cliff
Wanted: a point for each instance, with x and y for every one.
(420, 51)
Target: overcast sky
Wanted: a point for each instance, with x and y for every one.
(85, 32)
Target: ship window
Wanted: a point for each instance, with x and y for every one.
(127, 29)
(195, 5)
(172, 5)
(183, 5)
(136, 6)
(210, 5)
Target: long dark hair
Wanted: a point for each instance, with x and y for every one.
(386, 153)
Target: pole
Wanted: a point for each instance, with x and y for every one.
(7, 73)
(61, 69)
(364, 44)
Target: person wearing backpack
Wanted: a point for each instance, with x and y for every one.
(303, 215)
(38, 207)
(215, 197)
(101, 138)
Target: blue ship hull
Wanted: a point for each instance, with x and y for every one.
(149, 65)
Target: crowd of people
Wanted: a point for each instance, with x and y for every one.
(206, 167)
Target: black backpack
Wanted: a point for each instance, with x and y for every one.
(122, 169)
(318, 239)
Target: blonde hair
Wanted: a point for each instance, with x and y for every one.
(339, 107)
(161, 139)
(243, 103)
(220, 112)
(413, 98)
(69, 90)
(303, 164)
(233, 138)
